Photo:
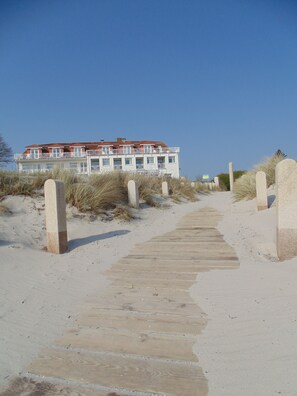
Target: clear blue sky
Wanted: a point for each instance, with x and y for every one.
(218, 78)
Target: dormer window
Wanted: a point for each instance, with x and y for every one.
(106, 150)
(56, 152)
(77, 151)
(147, 148)
(127, 149)
(34, 153)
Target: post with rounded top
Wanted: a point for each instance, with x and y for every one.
(133, 194)
(216, 182)
(261, 190)
(165, 189)
(286, 208)
(231, 177)
(55, 216)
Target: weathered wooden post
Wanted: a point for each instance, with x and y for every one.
(217, 182)
(231, 177)
(261, 190)
(286, 208)
(165, 189)
(133, 194)
(55, 216)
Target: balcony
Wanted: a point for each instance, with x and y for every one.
(133, 151)
(96, 153)
(51, 156)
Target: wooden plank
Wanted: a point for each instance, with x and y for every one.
(150, 344)
(165, 263)
(149, 274)
(125, 373)
(184, 255)
(143, 321)
(152, 283)
(171, 266)
(145, 305)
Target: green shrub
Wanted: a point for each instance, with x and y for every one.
(225, 181)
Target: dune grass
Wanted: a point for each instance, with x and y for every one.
(245, 186)
(99, 192)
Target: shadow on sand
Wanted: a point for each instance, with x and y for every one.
(270, 200)
(75, 243)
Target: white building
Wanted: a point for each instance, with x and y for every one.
(151, 157)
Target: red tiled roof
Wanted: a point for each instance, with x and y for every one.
(94, 145)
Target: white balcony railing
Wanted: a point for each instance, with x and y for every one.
(46, 156)
(141, 151)
(96, 153)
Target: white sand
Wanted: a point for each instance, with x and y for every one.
(40, 292)
(249, 346)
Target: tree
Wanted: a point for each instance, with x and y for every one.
(5, 152)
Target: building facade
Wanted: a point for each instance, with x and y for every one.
(151, 157)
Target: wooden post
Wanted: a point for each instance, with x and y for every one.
(165, 189)
(55, 216)
(261, 190)
(231, 177)
(133, 194)
(286, 208)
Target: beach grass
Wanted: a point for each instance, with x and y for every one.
(245, 186)
(100, 192)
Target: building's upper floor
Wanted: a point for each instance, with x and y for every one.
(83, 149)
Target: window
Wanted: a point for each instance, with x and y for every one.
(106, 150)
(139, 163)
(77, 151)
(147, 148)
(56, 152)
(117, 163)
(83, 167)
(105, 162)
(49, 167)
(73, 166)
(34, 153)
(127, 149)
(171, 159)
(150, 160)
(95, 164)
(128, 161)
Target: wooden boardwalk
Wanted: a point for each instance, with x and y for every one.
(137, 337)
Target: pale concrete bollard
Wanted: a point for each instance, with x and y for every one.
(286, 208)
(261, 190)
(217, 182)
(193, 184)
(165, 189)
(133, 194)
(55, 216)
(231, 177)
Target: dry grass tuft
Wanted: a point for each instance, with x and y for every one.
(4, 211)
(182, 189)
(123, 213)
(245, 186)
